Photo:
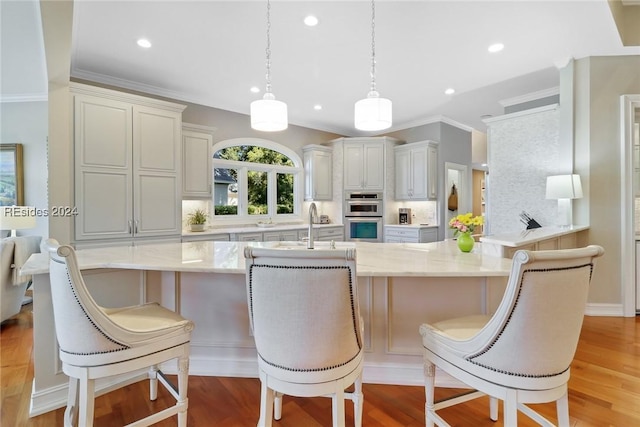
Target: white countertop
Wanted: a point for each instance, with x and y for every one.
(419, 226)
(253, 229)
(438, 259)
(527, 237)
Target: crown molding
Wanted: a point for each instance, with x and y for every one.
(545, 93)
(24, 97)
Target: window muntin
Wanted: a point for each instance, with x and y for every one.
(255, 181)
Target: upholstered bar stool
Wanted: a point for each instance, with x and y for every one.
(521, 354)
(97, 342)
(305, 318)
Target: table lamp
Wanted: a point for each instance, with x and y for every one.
(16, 218)
(564, 188)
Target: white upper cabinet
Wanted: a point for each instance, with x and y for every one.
(127, 165)
(416, 171)
(364, 165)
(318, 175)
(197, 173)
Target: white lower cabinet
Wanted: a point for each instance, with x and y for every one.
(218, 237)
(280, 236)
(409, 234)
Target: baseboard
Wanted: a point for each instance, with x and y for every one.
(605, 310)
(55, 397)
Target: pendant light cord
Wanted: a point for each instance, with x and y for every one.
(268, 49)
(373, 46)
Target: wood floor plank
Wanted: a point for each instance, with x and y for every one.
(604, 390)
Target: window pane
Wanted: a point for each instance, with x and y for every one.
(284, 193)
(225, 191)
(257, 192)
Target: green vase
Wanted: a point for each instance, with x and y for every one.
(465, 242)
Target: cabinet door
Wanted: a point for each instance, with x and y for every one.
(403, 175)
(374, 170)
(103, 175)
(156, 160)
(353, 167)
(419, 177)
(318, 175)
(432, 172)
(196, 164)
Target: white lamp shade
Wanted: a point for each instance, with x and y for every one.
(17, 217)
(564, 187)
(268, 114)
(373, 113)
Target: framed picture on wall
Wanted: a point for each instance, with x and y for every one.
(11, 175)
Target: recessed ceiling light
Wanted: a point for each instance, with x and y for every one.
(144, 43)
(450, 91)
(496, 47)
(310, 21)
(255, 89)
(317, 107)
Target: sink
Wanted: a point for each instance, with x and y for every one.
(316, 245)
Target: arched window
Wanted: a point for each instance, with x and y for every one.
(255, 179)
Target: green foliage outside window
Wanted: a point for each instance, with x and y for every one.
(257, 185)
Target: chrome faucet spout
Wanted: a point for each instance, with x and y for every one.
(313, 213)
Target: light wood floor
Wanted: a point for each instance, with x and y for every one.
(604, 390)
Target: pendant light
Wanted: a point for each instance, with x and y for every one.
(373, 113)
(268, 114)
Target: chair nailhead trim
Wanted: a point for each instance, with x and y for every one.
(75, 295)
(495, 340)
(351, 298)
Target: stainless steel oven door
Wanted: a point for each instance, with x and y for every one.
(363, 207)
(363, 229)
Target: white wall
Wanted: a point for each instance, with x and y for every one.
(26, 123)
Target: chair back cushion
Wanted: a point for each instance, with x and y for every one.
(304, 312)
(536, 328)
(76, 314)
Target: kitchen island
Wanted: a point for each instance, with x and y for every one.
(401, 285)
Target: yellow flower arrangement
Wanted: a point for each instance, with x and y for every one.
(465, 223)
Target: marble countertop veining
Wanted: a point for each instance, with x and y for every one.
(437, 259)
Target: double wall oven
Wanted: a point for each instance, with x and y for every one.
(363, 217)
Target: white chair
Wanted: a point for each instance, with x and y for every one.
(305, 318)
(14, 252)
(97, 342)
(523, 352)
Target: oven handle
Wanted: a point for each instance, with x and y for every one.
(363, 202)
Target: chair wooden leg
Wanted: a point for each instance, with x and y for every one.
(153, 382)
(429, 390)
(493, 408)
(338, 408)
(87, 396)
(266, 405)
(71, 412)
(358, 400)
(511, 408)
(277, 405)
(562, 406)
(183, 385)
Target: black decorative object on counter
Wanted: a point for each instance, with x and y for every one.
(527, 220)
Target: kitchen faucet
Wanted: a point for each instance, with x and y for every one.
(313, 213)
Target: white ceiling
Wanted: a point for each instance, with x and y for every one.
(212, 52)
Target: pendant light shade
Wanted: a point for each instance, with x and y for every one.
(268, 114)
(373, 113)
